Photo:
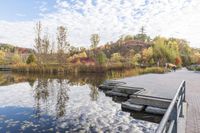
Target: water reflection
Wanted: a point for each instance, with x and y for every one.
(94, 93)
(73, 103)
(41, 94)
(62, 97)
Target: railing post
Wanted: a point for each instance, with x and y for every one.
(184, 86)
(182, 98)
(175, 112)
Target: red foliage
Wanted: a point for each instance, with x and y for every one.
(84, 60)
(178, 61)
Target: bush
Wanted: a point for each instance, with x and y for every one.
(31, 59)
(16, 59)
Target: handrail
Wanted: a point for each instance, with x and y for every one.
(171, 115)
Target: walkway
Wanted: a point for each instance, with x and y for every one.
(169, 83)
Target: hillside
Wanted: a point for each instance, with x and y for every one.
(124, 47)
(8, 48)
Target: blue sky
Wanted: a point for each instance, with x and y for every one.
(109, 18)
(23, 10)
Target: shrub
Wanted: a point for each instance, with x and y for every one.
(16, 59)
(31, 59)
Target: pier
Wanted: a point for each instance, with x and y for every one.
(154, 94)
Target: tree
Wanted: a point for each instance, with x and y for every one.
(16, 59)
(160, 52)
(62, 43)
(185, 52)
(45, 44)
(142, 36)
(101, 58)
(95, 39)
(178, 61)
(2, 57)
(116, 57)
(136, 59)
(147, 54)
(38, 40)
(31, 59)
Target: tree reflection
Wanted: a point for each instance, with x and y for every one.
(41, 94)
(62, 97)
(94, 93)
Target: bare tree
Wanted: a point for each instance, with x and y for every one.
(38, 40)
(45, 44)
(45, 48)
(95, 39)
(52, 47)
(62, 44)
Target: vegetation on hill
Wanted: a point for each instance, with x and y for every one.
(10, 54)
(129, 51)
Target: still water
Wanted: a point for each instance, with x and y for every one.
(67, 103)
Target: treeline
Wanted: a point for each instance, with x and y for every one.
(129, 51)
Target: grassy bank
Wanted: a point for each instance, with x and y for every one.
(64, 69)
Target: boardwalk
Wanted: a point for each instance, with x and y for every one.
(169, 83)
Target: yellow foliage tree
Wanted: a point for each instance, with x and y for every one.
(147, 54)
(2, 57)
(16, 59)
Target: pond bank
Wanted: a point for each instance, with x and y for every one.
(65, 69)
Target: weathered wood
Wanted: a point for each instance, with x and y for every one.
(155, 110)
(113, 93)
(130, 106)
(148, 101)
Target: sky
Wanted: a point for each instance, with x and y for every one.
(108, 18)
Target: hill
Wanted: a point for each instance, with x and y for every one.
(8, 48)
(123, 47)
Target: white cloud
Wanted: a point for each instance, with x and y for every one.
(17, 33)
(111, 19)
(43, 7)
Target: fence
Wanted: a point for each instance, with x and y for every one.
(169, 121)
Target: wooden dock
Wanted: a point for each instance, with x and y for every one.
(156, 92)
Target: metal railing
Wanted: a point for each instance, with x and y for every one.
(169, 121)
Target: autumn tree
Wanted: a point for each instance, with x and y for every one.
(95, 39)
(101, 58)
(116, 57)
(2, 57)
(185, 52)
(16, 59)
(31, 59)
(147, 55)
(160, 52)
(136, 59)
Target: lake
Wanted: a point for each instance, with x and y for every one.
(66, 103)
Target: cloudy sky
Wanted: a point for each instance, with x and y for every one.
(109, 18)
